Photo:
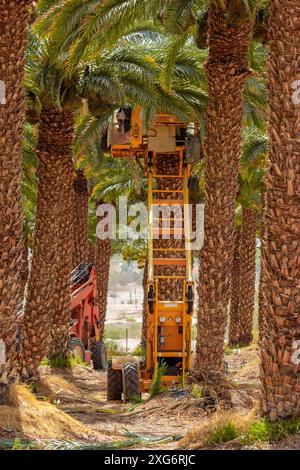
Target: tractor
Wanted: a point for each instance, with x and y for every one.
(84, 327)
(164, 151)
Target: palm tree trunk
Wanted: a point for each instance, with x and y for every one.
(14, 19)
(25, 263)
(247, 275)
(63, 262)
(81, 219)
(227, 70)
(91, 253)
(102, 263)
(145, 319)
(280, 368)
(55, 138)
(234, 330)
(261, 279)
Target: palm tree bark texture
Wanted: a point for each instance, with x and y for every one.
(145, 311)
(247, 275)
(280, 345)
(50, 271)
(261, 279)
(63, 261)
(234, 317)
(227, 70)
(81, 219)
(102, 263)
(14, 19)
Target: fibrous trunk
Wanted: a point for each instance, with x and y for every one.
(227, 69)
(261, 278)
(14, 18)
(81, 213)
(91, 253)
(63, 261)
(247, 275)
(234, 318)
(280, 345)
(144, 319)
(48, 271)
(103, 254)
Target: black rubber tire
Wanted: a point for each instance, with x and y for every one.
(75, 343)
(99, 356)
(131, 383)
(114, 383)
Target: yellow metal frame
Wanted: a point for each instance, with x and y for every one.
(138, 148)
(153, 354)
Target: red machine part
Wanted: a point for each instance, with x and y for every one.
(84, 311)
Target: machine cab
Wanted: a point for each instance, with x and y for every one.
(127, 136)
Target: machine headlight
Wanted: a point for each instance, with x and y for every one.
(162, 319)
(178, 319)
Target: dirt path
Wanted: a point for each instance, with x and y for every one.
(70, 405)
(81, 393)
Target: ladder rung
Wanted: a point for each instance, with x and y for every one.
(167, 176)
(168, 202)
(167, 231)
(167, 190)
(170, 354)
(169, 249)
(169, 277)
(169, 262)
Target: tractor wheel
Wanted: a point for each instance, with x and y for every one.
(114, 383)
(99, 358)
(131, 383)
(77, 349)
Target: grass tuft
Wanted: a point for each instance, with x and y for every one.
(226, 433)
(156, 387)
(62, 362)
(241, 430)
(197, 391)
(264, 431)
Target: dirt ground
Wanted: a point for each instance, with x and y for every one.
(159, 423)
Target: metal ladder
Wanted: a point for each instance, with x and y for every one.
(179, 305)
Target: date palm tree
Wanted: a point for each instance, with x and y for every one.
(244, 263)
(15, 17)
(234, 314)
(102, 263)
(280, 254)
(227, 69)
(48, 286)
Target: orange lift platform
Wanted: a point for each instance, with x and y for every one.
(170, 295)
